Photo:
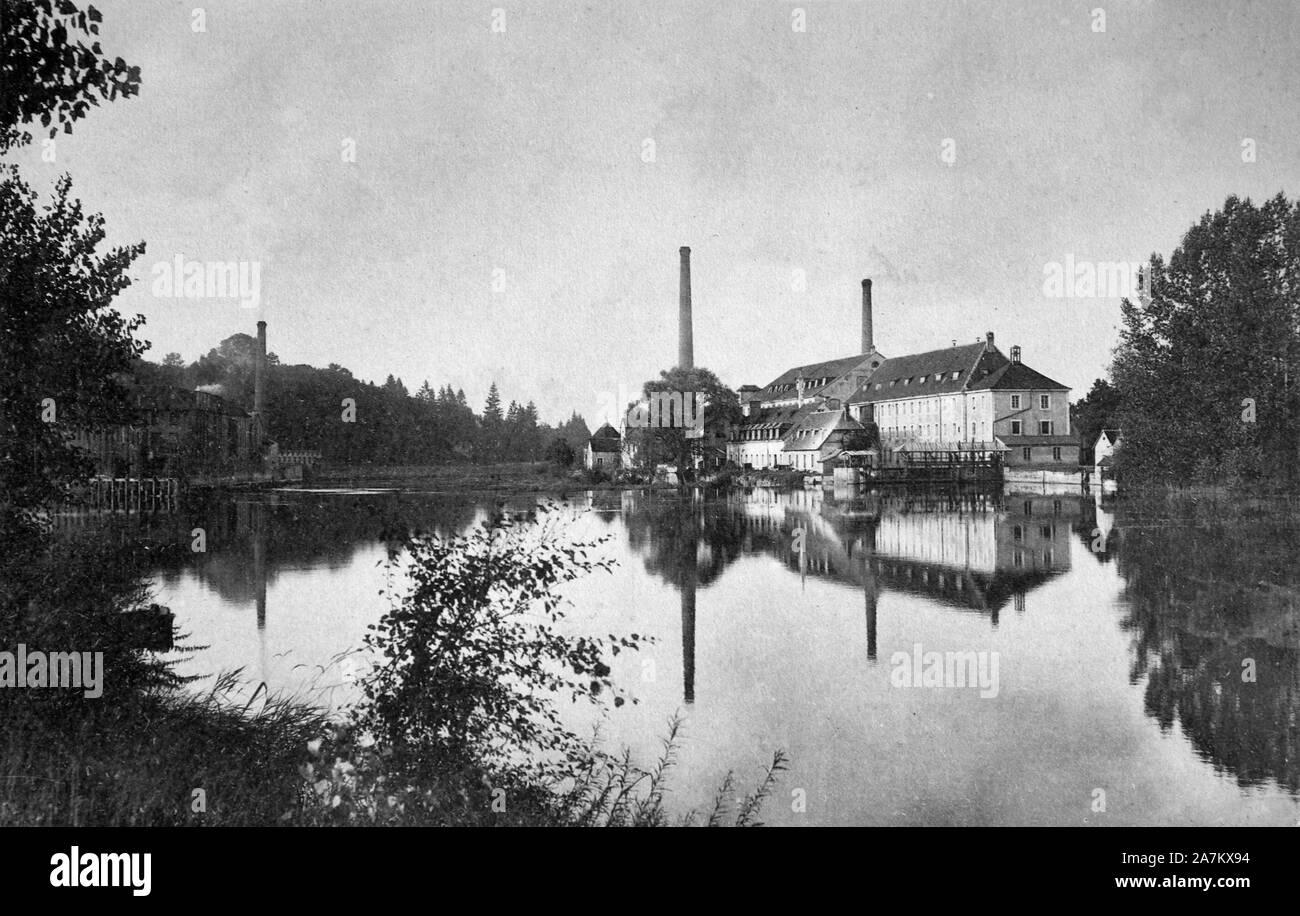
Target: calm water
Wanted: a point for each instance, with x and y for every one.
(1147, 651)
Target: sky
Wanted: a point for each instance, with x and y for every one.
(468, 192)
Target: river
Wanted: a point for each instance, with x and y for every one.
(1120, 663)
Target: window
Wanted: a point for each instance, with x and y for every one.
(1015, 402)
(1044, 427)
(1056, 453)
(956, 374)
(922, 381)
(1027, 452)
(1017, 533)
(1045, 401)
(1015, 427)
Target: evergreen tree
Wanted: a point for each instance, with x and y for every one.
(491, 432)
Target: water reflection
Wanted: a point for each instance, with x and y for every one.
(1197, 604)
(969, 551)
(1212, 600)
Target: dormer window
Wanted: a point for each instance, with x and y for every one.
(922, 381)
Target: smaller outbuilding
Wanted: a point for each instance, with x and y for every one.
(604, 450)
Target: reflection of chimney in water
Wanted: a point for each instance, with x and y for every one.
(873, 598)
(259, 562)
(688, 630)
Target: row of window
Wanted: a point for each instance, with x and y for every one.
(807, 384)
(1047, 532)
(1028, 453)
(936, 378)
(1045, 428)
(1044, 402)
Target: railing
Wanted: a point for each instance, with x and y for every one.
(131, 493)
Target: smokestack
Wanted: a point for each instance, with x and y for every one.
(868, 343)
(685, 343)
(259, 375)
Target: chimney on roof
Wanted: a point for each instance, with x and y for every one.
(1015, 353)
(954, 341)
(868, 342)
(988, 344)
(259, 376)
(685, 343)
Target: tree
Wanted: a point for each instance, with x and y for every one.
(861, 440)
(48, 72)
(560, 453)
(490, 439)
(1098, 410)
(672, 438)
(65, 354)
(1206, 367)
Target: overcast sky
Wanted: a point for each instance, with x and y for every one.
(775, 151)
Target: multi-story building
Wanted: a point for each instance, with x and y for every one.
(777, 419)
(969, 397)
(817, 435)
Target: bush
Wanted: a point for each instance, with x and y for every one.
(471, 654)
(560, 453)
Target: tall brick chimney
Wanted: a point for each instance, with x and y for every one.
(868, 343)
(685, 342)
(259, 375)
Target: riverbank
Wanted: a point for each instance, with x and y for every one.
(520, 477)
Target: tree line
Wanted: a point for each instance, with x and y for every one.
(386, 423)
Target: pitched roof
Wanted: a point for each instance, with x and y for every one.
(902, 376)
(815, 427)
(829, 370)
(973, 367)
(774, 417)
(1016, 376)
(606, 439)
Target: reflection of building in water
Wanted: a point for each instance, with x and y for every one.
(974, 551)
(967, 551)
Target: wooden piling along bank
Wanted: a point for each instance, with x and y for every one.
(924, 467)
(131, 493)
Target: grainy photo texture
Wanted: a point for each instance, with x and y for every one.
(560, 413)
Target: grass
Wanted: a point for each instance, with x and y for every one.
(164, 758)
